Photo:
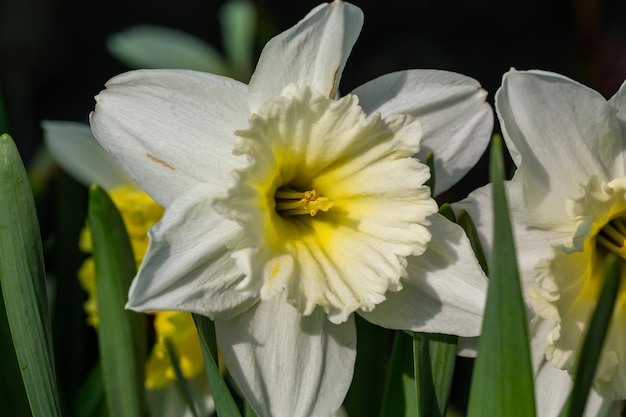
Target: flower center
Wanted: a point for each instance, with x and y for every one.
(326, 210)
(569, 283)
(290, 202)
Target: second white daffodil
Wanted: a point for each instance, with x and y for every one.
(288, 208)
(568, 205)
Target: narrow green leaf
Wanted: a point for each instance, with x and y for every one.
(224, 402)
(370, 370)
(238, 20)
(181, 381)
(12, 392)
(430, 163)
(90, 400)
(434, 358)
(465, 221)
(248, 411)
(594, 340)
(400, 388)
(502, 383)
(152, 46)
(22, 279)
(447, 211)
(121, 333)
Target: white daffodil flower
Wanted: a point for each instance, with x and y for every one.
(568, 206)
(288, 208)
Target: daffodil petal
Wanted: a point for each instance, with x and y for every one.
(188, 265)
(171, 129)
(619, 102)
(445, 291)
(456, 119)
(545, 148)
(312, 53)
(553, 385)
(532, 244)
(73, 146)
(287, 364)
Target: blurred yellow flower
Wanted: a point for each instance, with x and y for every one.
(139, 212)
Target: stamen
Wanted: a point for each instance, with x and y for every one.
(613, 237)
(290, 202)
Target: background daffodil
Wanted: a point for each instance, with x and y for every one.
(289, 208)
(568, 202)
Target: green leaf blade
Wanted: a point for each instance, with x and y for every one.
(594, 340)
(400, 388)
(22, 278)
(465, 221)
(434, 359)
(121, 333)
(224, 402)
(502, 382)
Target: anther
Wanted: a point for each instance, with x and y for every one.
(290, 202)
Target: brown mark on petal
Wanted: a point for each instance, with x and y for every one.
(160, 161)
(332, 87)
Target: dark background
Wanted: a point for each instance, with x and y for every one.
(53, 58)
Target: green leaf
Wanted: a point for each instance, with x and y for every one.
(594, 340)
(400, 388)
(151, 46)
(502, 383)
(238, 19)
(90, 400)
(370, 370)
(181, 381)
(224, 403)
(248, 411)
(465, 221)
(434, 357)
(12, 392)
(121, 333)
(22, 280)
(447, 211)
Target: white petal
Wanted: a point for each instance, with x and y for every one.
(559, 133)
(553, 385)
(73, 146)
(456, 120)
(312, 53)
(188, 265)
(446, 289)
(619, 102)
(531, 244)
(171, 129)
(286, 364)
